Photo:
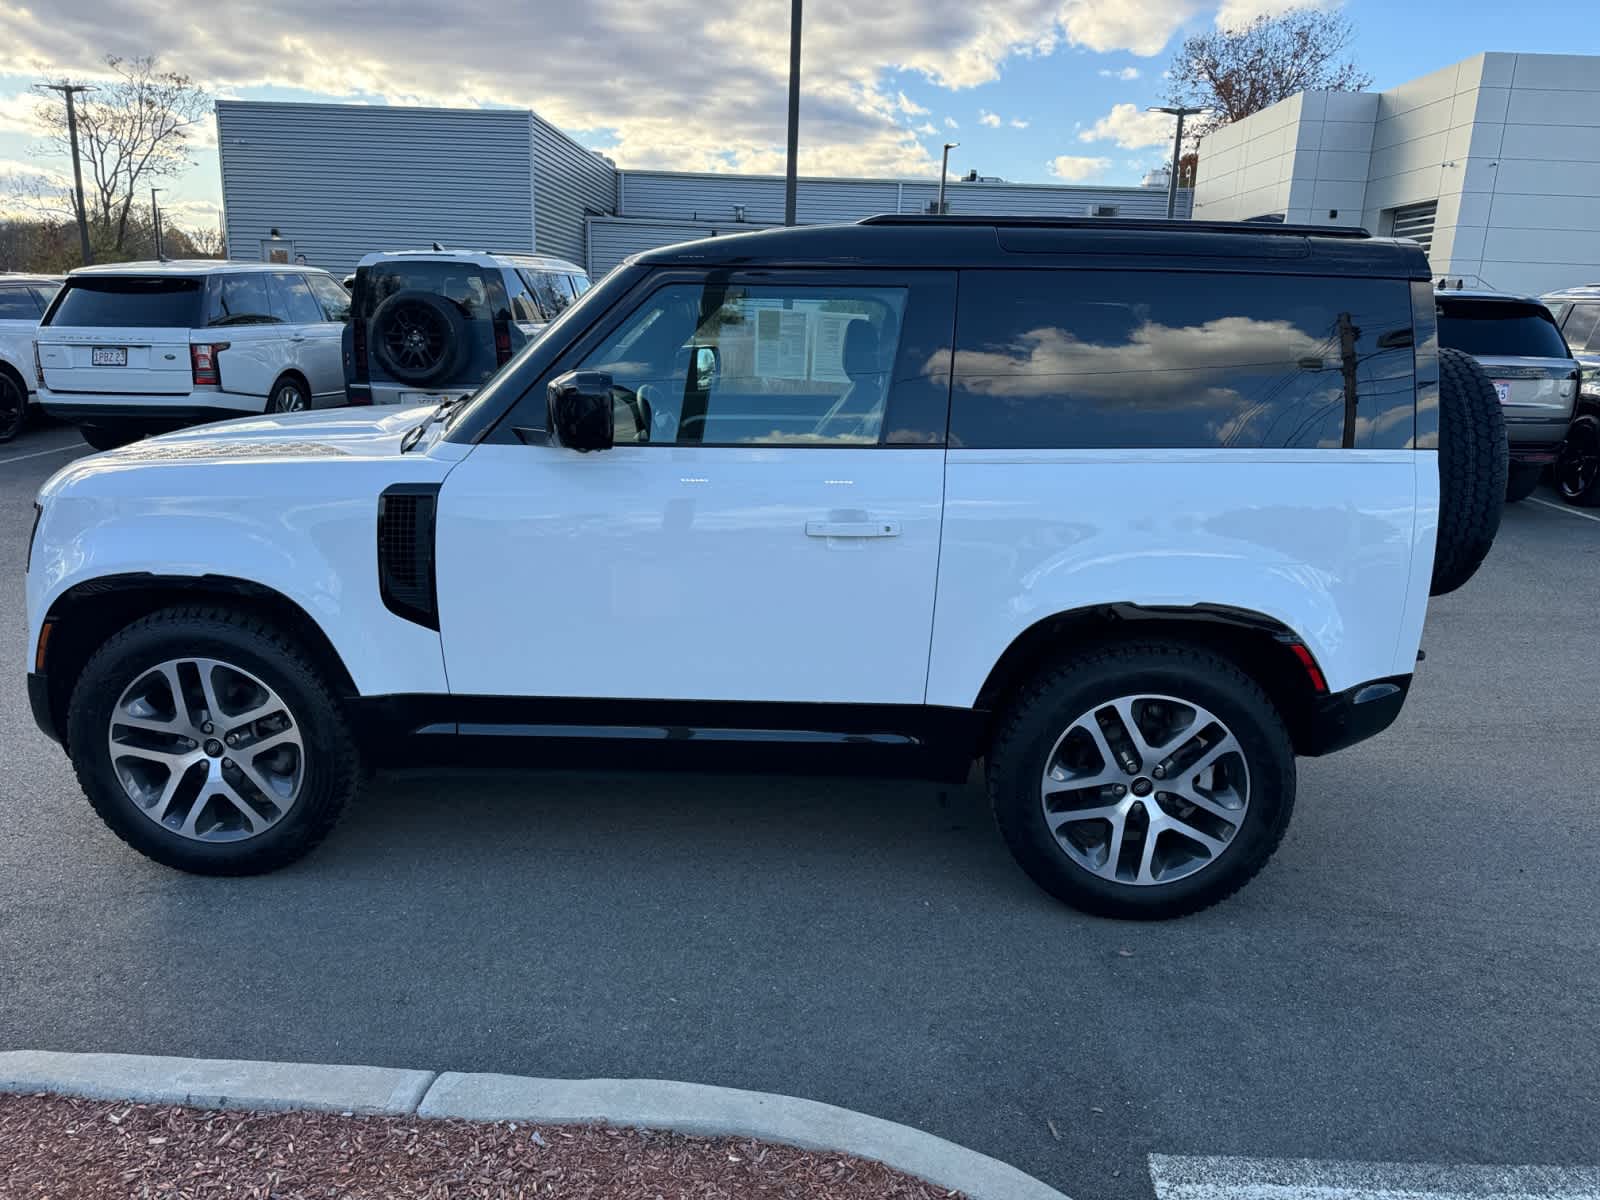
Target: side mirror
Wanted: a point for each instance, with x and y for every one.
(706, 364)
(580, 415)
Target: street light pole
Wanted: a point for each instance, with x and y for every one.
(69, 90)
(791, 175)
(155, 218)
(944, 169)
(1177, 153)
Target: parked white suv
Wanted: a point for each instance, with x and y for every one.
(140, 348)
(22, 301)
(1133, 512)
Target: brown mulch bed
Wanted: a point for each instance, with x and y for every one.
(59, 1148)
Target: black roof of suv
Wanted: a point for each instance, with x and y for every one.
(931, 241)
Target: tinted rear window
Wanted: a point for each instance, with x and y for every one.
(1499, 328)
(139, 301)
(479, 293)
(1108, 359)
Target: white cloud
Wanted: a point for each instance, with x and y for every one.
(951, 123)
(1130, 127)
(988, 118)
(928, 128)
(1236, 14)
(1075, 168)
(1018, 123)
(1127, 74)
(19, 114)
(635, 75)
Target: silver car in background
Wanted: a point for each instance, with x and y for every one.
(1577, 474)
(1517, 341)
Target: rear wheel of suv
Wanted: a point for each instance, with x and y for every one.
(1472, 470)
(1521, 482)
(1146, 780)
(208, 741)
(289, 396)
(1578, 472)
(13, 406)
(108, 437)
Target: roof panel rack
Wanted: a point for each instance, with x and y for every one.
(1264, 228)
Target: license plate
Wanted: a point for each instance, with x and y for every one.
(109, 356)
(1503, 390)
(428, 397)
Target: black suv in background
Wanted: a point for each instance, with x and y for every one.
(1517, 341)
(430, 325)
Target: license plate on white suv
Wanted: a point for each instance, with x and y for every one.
(1502, 390)
(109, 356)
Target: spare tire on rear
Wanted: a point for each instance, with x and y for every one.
(418, 337)
(1472, 470)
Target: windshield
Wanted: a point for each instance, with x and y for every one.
(138, 301)
(1499, 329)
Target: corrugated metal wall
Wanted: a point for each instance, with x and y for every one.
(693, 197)
(341, 180)
(569, 184)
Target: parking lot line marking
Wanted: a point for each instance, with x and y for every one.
(1571, 512)
(38, 453)
(1180, 1178)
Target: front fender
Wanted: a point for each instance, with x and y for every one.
(311, 538)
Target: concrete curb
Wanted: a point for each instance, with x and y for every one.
(215, 1082)
(687, 1108)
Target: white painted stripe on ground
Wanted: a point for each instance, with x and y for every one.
(42, 453)
(1179, 1178)
(1566, 508)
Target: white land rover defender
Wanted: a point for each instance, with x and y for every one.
(1133, 513)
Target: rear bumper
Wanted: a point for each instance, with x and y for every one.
(1353, 715)
(113, 411)
(1535, 444)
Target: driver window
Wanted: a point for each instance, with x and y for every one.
(738, 366)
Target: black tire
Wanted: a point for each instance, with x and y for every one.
(108, 437)
(1042, 712)
(1472, 470)
(418, 337)
(1577, 474)
(13, 406)
(289, 395)
(331, 766)
(1522, 481)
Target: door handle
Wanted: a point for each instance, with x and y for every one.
(852, 529)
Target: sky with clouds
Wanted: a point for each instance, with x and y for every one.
(1034, 90)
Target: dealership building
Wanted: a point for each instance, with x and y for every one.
(1493, 164)
(332, 182)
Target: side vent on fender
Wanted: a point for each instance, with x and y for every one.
(405, 552)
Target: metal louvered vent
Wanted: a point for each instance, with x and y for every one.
(174, 451)
(1415, 221)
(405, 552)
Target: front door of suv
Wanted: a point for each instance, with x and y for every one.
(766, 527)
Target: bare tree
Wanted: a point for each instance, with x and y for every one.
(1235, 72)
(208, 242)
(131, 131)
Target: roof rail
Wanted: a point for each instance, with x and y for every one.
(1268, 229)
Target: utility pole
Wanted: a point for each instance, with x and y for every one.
(944, 169)
(69, 90)
(1177, 153)
(791, 176)
(1348, 333)
(155, 218)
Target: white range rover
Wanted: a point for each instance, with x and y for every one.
(1132, 513)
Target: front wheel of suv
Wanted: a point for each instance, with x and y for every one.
(207, 740)
(1147, 780)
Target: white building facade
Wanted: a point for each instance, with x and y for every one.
(1492, 163)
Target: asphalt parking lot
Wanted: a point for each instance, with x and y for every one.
(1414, 978)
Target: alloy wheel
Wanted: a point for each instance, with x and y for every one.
(289, 399)
(1145, 789)
(1579, 465)
(207, 750)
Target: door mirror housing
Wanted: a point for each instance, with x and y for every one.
(580, 416)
